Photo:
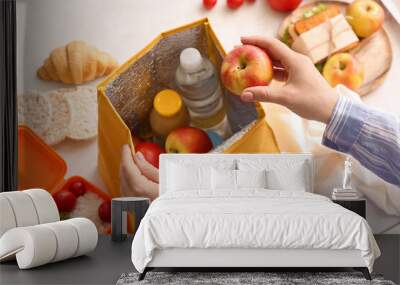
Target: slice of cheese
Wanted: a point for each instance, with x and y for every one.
(320, 42)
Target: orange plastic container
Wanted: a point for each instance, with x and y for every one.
(39, 166)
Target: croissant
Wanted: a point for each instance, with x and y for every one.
(76, 63)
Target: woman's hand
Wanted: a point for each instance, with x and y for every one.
(305, 92)
(138, 177)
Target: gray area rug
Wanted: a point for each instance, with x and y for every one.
(269, 278)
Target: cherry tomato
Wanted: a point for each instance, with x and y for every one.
(284, 5)
(65, 201)
(209, 4)
(108, 230)
(105, 211)
(151, 152)
(234, 4)
(77, 188)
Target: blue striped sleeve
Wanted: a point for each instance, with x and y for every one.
(370, 136)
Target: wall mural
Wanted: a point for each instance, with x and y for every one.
(90, 84)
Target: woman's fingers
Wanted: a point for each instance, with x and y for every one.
(130, 176)
(145, 167)
(275, 48)
(128, 167)
(280, 74)
(277, 64)
(133, 182)
(273, 94)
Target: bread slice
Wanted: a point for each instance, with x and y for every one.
(330, 37)
(60, 118)
(307, 24)
(34, 111)
(83, 104)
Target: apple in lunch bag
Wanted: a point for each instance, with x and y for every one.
(151, 152)
(246, 66)
(188, 140)
(343, 68)
(365, 17)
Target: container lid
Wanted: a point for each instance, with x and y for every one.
(39, 166)
(167, 103)
(191, 60)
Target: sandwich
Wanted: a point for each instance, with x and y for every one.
(319, 31)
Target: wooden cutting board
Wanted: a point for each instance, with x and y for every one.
(374, 52)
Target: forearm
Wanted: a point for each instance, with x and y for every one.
(369, 135)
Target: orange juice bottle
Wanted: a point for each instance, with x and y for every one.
(168, 113)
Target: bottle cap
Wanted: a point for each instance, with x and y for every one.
(167, 103)
(191, 59)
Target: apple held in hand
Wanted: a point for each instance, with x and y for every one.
(151, 152)
(343, 68)
(246, 66)
(365, 17)
(188, 140)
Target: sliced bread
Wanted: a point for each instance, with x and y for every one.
(83, 105)
(35, 111)
(60, 119)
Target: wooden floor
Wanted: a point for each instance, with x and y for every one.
(110, 260)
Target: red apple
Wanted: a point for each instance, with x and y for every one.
(151, 152)
(246, 66)
(343, 68)
(284, 5)
(234, 4)
(188, 140)
(365, 17)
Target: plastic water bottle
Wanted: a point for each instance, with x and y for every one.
(201, 92)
